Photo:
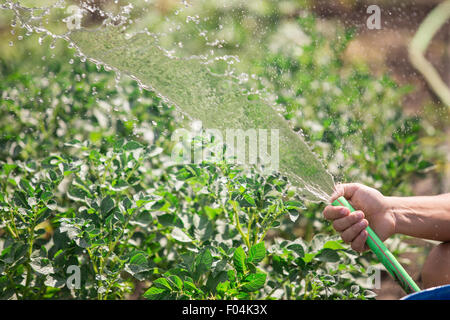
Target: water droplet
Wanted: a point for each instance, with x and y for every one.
(32, 201)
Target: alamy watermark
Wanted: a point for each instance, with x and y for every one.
(374, 20)
(74, 280)
(373, 280)
(251, 146)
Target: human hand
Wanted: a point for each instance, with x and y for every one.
(372, 208)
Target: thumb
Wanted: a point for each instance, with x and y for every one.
(345, 190)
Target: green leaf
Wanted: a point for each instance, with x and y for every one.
(138, 259)
(250, 200)
(294, 205)
(254, 282)
(41, 265)
(424, 165)
(176, 281)
(127, 203)
(71, 230)
(308, 257)
(293, 215)
(333, 245)
(106, 205)
(26, 186)
(7, 168)
(162, 283)
(275, 224)
(239, 260)
(154, 293)
(257, 253)
(73, 143)
(118, 143)
(179, 235)
(190, 286)
(52, 175)
(20, 199)
(203, 261)
(77, 194)
(297, 248)
(132, 145)
(45, 196)
(328, 255)
(119, 185)
(223, 287)
(155, 152)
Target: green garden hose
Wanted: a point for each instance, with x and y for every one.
(384, 255)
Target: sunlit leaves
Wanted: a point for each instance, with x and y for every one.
(106, 205)
(257, 253)
(239, 260)
(297, 248)
(202, 263)
(328, 255)
(180, 235)
(154, 293)
(254, 282)
(132, 145)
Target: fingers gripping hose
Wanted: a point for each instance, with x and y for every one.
(384, 255)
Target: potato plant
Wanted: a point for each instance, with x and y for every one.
(198, 233)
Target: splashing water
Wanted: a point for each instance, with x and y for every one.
(188, 83)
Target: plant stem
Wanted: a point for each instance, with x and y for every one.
(29, 252)
(106, 170)
(13, 284)
(274, 289)
(137, 165)
(277, 215)
(94, 266)
(249, 225)
(238, 226)
(8, 227)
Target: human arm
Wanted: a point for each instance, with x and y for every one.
(424, 217)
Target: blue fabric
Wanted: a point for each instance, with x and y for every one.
(436, 293)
